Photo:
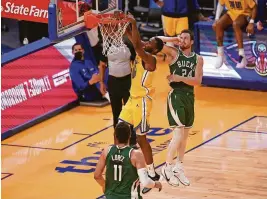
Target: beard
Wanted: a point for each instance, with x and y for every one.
(185, 47)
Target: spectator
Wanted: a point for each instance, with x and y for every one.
(176, 15)
(84, 76)
(239, 15)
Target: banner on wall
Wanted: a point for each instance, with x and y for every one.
(36, 11)
(33, 86)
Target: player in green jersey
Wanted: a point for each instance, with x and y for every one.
(125, 168)
(186, 68)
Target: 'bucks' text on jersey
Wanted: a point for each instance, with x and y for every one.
(184, 66)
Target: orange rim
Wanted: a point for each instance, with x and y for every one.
(111, 18)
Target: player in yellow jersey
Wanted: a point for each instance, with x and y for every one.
(136, 112)
(240, 13)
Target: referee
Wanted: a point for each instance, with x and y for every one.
(119, 79)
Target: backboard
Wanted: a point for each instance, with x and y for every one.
(66, 16)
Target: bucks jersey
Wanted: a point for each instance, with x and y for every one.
(122, 180)
(184, 66)
(141, 80)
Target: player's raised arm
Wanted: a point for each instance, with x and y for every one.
(150, 61)
(194, 81)
(170, 54)
(100, 169)
(138, 161)
(175, 40)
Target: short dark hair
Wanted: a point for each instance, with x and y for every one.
(189, 32)
(159, 43)
(76, 44)
(122, 132)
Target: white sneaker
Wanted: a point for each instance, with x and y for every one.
(219, 61)
(169, 177)
(242, 62)
(179, 173)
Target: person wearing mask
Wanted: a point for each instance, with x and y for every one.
(84, 76)
(119, 79)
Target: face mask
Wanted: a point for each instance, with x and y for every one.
(78, 55)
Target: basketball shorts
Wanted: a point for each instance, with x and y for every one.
(174, 26)
(180, 109)
(137, 112)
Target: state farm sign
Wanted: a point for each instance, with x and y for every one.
(25, 10)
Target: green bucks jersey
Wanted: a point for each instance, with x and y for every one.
(184, 66)
(122, 180)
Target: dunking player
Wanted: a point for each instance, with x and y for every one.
(125, 167)
(136, 112)
(240, 13)
(186, 68)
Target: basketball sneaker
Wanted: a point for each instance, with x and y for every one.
(169, 177)
(155, 178)
(219, 61)
(178, 172)
(242, 62)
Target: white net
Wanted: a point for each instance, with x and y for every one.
(112, 34)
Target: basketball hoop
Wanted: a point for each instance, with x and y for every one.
(112, 28)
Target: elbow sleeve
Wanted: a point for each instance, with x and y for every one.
(219, 11)
(144, 179)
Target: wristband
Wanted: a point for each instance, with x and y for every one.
(251, 21)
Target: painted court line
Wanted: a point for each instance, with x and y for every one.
(245, 131)
(207, 141)
(87, 137)
(7, 175)
(33, 147)
(81, 134)
(55, 149)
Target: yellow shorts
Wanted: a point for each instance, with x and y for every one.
(174, 26)
(137, 112)
(234, 15)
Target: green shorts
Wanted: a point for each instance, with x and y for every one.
(180, 108)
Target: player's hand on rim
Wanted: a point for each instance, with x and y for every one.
(131, 18)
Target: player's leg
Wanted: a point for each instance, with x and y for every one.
(238, 24)
(176, 118)
(188, 102)
(115, 99)
(169, 26)
(221, 25)
(126, 114)
(141, 116)
(181, 24)
(126, 85)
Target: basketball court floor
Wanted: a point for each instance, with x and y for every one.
(226, 151)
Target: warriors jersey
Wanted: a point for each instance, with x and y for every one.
(238, 7)
(141, 80)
